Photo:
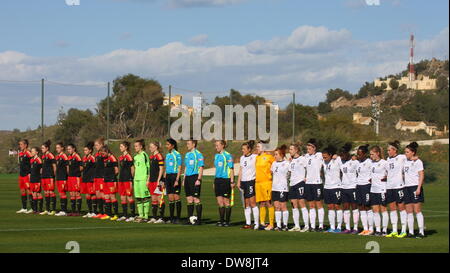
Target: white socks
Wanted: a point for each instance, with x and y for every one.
(286, 217)
(339, 216)
(305, 216)
(321, 213)
(278, 218)
(347, 219)
(332, 219)
(256, 216)
(394, 220)
(377, 221)
(312, 218)
(364, 220)
(296, 217)
(385, 220)
(403, 216)
(410, 218)
(370, 219)
(248, 215)
(420, 222)
(279, 215)
(355, 219)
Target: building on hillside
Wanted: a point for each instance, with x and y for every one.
(441, 133)
(175, 100)
(358, 118)
(414, 126)
(421, 83)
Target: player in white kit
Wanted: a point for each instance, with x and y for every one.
(332, 188)
(297, 187)
(363, 188)
(246, 183)
(349, 182)
(280, 174)
(313, 185)
(394, 188)
(378, 191)
(414, 197)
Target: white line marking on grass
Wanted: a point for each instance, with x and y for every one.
(436, 216)
(435, 211)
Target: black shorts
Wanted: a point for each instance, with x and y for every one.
(279, 196)
(190, 188)
(313, 192)
(169, 184)
(394, 195)
(249, 188)
(411, 197)
(349, 196)
(222, 187)
(332, 196)
(378, 199)
(297, 191)
(363, 195)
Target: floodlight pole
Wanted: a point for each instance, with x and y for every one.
(107, 113)
(42, 110)
(293, 117)
(168, 115)
(231, 113)
(376, 113)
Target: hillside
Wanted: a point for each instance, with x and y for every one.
(398, 103)
(435, 69)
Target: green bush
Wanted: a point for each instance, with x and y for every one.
(10, 166)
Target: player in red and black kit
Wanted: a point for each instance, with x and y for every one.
(48, 178)
(74, 179)
(24, 175)
(99, 182)
(35, 180)
(110, 189)
(125, 185)
(87, 181)
(62, 167)
(155, 185)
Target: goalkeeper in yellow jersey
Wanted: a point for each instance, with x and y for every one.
(141, 181)
(263, 186)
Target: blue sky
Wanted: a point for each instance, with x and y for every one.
(269, 47)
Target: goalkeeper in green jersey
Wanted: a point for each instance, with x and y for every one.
(141, 179)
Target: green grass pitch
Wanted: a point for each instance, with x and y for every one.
(34, 233)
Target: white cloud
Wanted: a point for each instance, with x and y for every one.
(438, 45)
(306, 60)
(358, 4)
(304, 39)
(198, 40)
(76, 101)
(11, 57)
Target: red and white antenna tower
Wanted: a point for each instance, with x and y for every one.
(412, 74)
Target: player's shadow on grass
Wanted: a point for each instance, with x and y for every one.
(429, 232)
(208, 221)
(240, 223)
(214, 221)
